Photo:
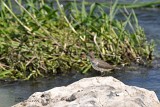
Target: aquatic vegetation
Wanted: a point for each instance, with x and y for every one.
(46, 38)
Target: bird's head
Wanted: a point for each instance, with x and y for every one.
(90, 56)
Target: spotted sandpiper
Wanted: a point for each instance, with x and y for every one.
(100, 65)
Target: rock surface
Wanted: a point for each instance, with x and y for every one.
(93, 92)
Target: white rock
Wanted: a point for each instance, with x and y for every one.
(93, 92)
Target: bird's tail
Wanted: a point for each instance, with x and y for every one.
(117, 68)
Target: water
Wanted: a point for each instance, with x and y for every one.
(149, 19)
(149, 78)
(143, 77)
(14, 92)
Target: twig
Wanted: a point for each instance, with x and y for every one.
(30, 61)
(95, 36)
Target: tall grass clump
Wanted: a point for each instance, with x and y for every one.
(48, 38)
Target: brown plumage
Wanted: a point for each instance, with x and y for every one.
(100, 65)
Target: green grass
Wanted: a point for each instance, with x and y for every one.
(42, 40)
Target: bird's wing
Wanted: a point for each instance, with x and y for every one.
(102, 64)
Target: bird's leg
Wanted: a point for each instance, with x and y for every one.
(102, 73)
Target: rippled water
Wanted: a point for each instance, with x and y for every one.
(149, 78)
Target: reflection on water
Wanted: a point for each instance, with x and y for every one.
(148, 78)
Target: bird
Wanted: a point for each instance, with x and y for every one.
(100, 65)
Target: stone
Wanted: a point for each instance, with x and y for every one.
(93, 92)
